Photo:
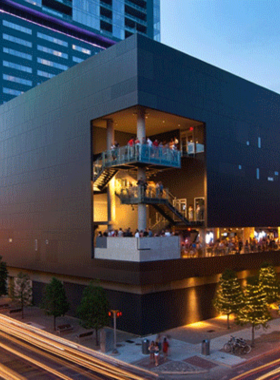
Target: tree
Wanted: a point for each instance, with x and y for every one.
(54, 300)
(229, 295)
(255, 309)
(94, 307)
(3, 277)
(22, 290)
(269, 282)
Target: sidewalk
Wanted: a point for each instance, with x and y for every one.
(185, 357)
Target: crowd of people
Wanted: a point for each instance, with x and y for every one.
(229, 246)
(138, 234)
(134, 145)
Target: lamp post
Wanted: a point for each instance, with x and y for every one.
(115, 314)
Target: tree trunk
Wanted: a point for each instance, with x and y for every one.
(96, 337)
(253, 336)
(22, 313)
(228, 321)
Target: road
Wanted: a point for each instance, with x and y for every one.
(27, 352)
(266, 367)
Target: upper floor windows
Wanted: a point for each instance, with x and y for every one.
(52, 64)
(17, 27)
(45, 74)
(52, 39)
(81, 49)
(17, 40)
(53, 52)
(12, 78)
(11, 91)
(17, 53)
(15, 66)
(76, 59)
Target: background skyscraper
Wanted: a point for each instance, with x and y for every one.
(42, 38)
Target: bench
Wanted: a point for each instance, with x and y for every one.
(4, 306)
(64, 328)
(17, 310)
(84, 335)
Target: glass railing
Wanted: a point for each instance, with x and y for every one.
(138, 153)
(141, 194)
(193, 148)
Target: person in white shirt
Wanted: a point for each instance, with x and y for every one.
(137, 235)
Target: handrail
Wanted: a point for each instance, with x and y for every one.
(137, 153)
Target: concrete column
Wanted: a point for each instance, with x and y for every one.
(111, 209)
(141, 172)
(141, 126)
(248, 233)
(110, 133)
(216, 234)
(202, 237)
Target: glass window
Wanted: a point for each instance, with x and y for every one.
(258, 173)
(259, 142)
(16, 40)
(118, 18)
(240, 167)
(76, 59)
(276, 173)
(17, 27)
(87, 12)
(52, 39)
(17, 53)
(53, 52)
(45, 74)
(11, 78)
(248, 143)
(15, 66)
(35, 2)
(11, 91)
(270, 179)
(81, 49)
(52, 64)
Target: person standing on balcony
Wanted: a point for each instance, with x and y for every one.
(137, 147)
(131, 147)
(160, 189)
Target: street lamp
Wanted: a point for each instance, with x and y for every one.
(115, 314)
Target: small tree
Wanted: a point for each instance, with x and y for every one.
(229, 295)
(255, 309)
(22, 290)
(54, 300)
(3, 277)
(94, 307)
(269, 282)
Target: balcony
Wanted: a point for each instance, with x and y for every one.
(138, 249)
(138, 155)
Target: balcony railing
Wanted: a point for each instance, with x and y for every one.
(141, 194)
(138, 153)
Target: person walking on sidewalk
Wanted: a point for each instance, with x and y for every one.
(165, 347)
(156, 354)
(152, 352)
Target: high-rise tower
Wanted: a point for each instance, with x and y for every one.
(42, 38)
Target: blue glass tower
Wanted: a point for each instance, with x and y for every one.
(42, 38)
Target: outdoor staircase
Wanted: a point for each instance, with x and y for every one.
(103, 177)
(168, 211)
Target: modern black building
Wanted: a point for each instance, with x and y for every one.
(42, 38)
(60, 182)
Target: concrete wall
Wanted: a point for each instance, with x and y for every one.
(138, 249)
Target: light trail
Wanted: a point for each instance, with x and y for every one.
(61, 348)
(10, 374)
(256, 370)
(35, 362)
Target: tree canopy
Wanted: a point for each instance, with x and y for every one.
(254, 310)
(94, 307)
(229, 295)
(54, 300)
(22, 291)
(269, 282)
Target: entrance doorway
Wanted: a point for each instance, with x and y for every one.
(187, 142)
(181, 206)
